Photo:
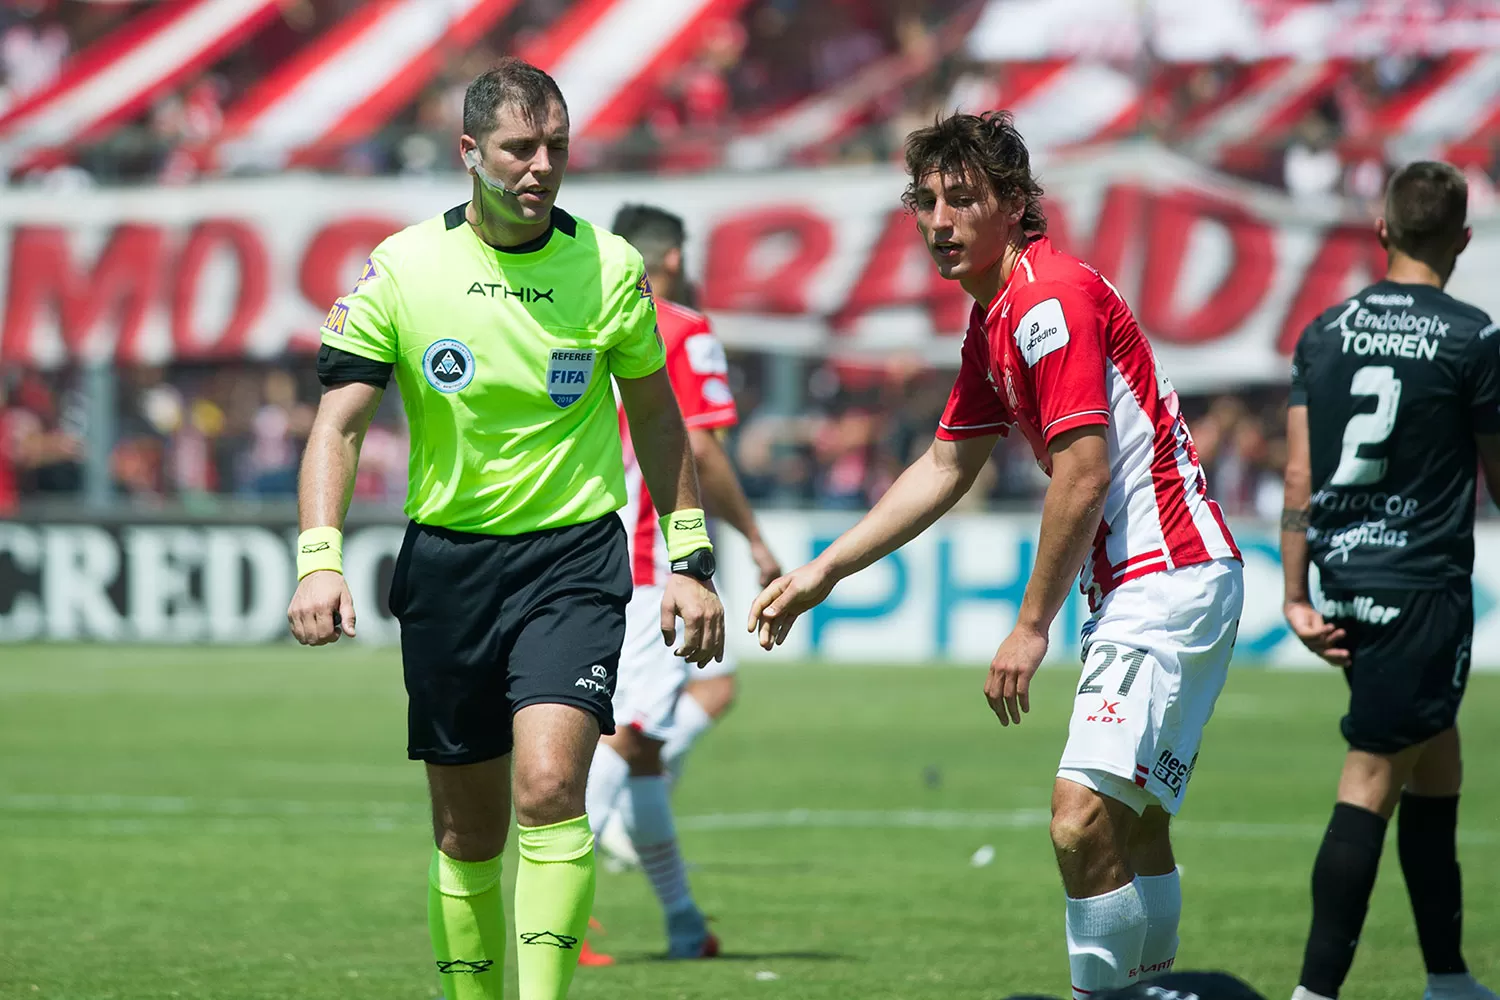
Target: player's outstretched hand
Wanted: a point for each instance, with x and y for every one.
(784, 599)
(321, 609)
(765, 561)
(702, 614)
(1322, 637)
(1008, 686)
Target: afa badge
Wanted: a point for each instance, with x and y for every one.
(568, 375)
(448, 365)
(644, 286)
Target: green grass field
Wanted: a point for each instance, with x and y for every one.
(243, 823)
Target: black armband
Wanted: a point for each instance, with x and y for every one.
(1295, 520)
(337, 366)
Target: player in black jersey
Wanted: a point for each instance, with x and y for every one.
(1395, 402)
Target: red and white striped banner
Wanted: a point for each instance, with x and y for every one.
(352, 80)
(609, 55)
(115, 79)
(1277, 95)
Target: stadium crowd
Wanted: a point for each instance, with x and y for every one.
(767, 58)
(200, 435)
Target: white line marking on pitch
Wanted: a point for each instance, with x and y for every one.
(386, 815)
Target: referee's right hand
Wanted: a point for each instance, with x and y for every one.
(702, 614)
(321, 609)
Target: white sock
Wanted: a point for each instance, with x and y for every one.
(1303, 993)
(691, 721)
(1162, 897)
(646, 809)
(1105, 935)
(607, 776)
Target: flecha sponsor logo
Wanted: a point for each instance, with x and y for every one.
(1172, 772)
(1369, 534)
(497, 290)
(1384, 299)
(1361, 609)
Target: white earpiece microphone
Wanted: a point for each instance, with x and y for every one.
(471, 157)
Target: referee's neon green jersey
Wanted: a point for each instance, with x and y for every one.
(504, 362)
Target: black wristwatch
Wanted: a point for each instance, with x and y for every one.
(698, 564)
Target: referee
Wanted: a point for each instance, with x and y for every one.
(503, 321)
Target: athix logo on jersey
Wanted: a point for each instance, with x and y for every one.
(568, 374)
(496, 290)
(448, 365)
(1041, 331)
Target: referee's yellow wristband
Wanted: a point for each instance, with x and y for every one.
(320, 548)
(686, 532)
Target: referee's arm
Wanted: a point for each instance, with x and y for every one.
(666, 461)
(322, 606)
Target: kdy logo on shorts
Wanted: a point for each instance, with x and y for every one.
(448, 365)
(568, 374)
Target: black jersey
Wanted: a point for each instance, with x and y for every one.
(1397, 381)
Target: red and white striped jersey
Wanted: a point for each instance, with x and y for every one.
(699, 374)
(1058, 349)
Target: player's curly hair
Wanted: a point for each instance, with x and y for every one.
(973, 146)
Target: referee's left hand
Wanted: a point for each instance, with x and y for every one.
(321, 609)
(702, 614)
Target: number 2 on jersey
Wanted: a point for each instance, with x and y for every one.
(1381, 382)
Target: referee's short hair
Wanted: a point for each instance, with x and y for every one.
(512, 82)
(652, 231)
(1425, 206)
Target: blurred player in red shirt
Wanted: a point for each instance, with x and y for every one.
(1053, 352)
(660, 704)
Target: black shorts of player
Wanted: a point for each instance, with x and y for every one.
(1409, 662)
(491, 624)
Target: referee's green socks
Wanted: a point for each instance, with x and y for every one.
(554, 895)
(466, 917)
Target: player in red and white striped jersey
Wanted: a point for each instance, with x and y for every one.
(657, 719)
(1053, 352)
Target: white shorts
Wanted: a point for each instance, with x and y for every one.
(650, 678)
(1156, 656)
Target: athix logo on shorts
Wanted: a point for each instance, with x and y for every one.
(568, 374)
(448, 365)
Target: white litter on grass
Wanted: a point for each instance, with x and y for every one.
(766, 976)
(982, 857)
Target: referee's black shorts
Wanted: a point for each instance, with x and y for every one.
(1409, 662)
(491, 624)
